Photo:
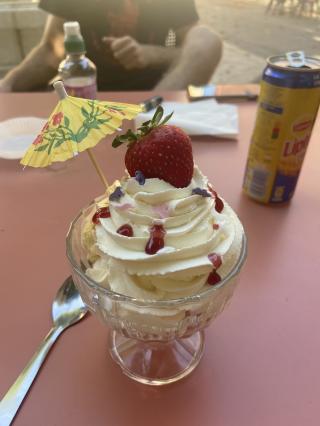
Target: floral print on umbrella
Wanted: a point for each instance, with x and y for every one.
(74, 126)
(60, 131)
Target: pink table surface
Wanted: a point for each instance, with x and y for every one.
(261, 362)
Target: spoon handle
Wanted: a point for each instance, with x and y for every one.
(15, 395)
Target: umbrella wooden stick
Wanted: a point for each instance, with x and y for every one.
(98, 168)
(61, 92)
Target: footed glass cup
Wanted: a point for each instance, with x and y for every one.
(154, 342)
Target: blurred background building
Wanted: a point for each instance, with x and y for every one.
(251, 29)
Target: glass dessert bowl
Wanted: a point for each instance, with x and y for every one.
(155, 342)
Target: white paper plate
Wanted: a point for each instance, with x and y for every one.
(17, 134)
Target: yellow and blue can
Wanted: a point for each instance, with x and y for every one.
(287, 108)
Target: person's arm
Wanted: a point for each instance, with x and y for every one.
(41, 64)
(200, 54)
(193, 61)
(134, 55)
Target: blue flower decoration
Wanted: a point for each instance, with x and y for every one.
(117, 194)
(139, 177)
(202, 192)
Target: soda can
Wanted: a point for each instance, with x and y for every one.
(287, 108)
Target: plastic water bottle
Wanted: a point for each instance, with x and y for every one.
(77, 72)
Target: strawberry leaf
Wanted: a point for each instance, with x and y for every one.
(116, 142)
(157, 116)
(130, 137)
(167, 118)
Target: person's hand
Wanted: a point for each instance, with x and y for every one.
(128, 52)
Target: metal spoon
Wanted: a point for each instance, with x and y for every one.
(67, 309)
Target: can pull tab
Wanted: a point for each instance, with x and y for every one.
(296, 59)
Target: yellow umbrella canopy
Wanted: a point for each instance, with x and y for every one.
(75, 125)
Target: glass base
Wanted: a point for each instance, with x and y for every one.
(156, 363)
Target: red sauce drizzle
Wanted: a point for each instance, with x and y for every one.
(103, 212)
(215, 259)
(218, 202)
(125, 230)
(213, 278)
(156, 240)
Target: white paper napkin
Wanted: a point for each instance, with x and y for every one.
(206, 117)
(17, 134)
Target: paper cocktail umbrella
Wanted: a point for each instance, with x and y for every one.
(76, 125)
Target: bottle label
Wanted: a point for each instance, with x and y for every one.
(87, 92)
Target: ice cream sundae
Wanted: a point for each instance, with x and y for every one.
(162, 232)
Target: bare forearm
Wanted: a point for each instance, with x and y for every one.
(35, 71)
(161, 57)
(200, 54)
(133, 55)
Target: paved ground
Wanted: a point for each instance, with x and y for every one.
(250, 35)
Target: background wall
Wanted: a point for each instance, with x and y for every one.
(21, 25)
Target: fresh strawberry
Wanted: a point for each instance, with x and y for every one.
(164, 153)
(159, 151)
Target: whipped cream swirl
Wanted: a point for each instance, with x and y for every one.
(193, 228)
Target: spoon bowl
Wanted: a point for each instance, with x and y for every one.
(67, 309)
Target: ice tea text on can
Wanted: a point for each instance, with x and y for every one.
(287, 108)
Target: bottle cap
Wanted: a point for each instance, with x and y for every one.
(72, 28)
(73, 40)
